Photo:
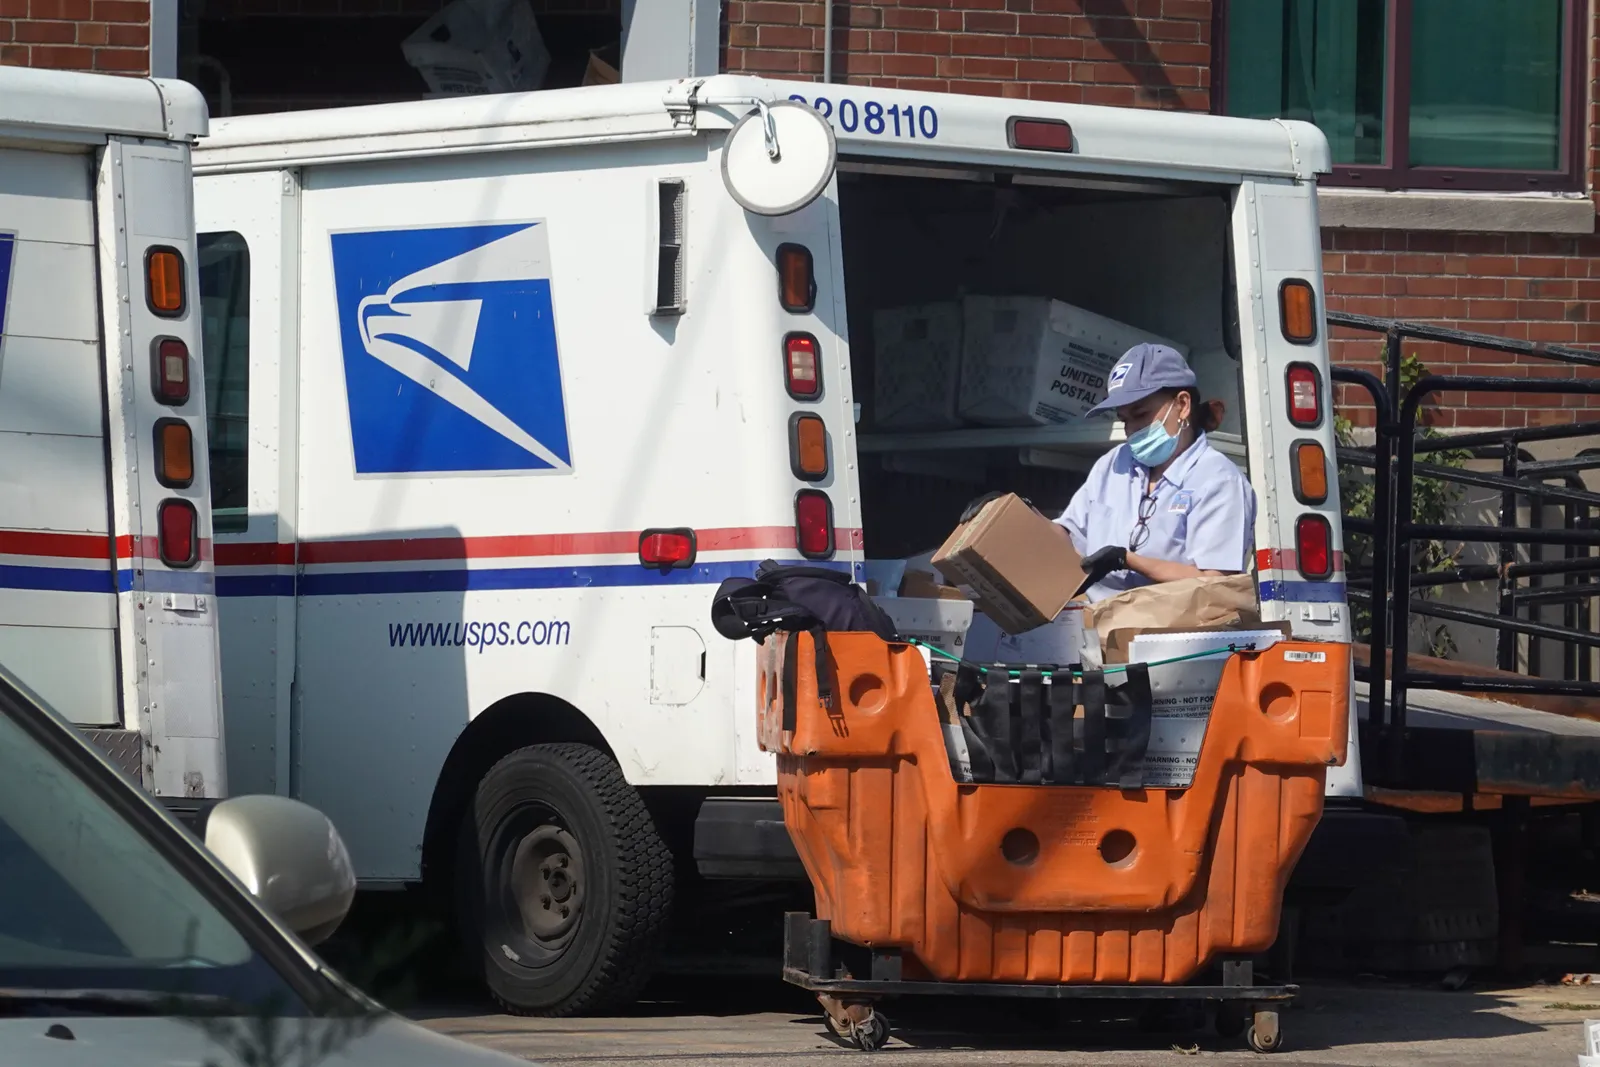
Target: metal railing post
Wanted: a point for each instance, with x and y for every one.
(1506, 642)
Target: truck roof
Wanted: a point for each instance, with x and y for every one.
(966, 130)
(63, 105)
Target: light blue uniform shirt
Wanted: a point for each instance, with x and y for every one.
(1205, 513)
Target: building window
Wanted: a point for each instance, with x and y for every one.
(1423, 94)
(225, 348)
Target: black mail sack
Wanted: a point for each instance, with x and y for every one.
(1023, 727)
(795, 598)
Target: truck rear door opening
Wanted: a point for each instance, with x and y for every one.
(947, 280)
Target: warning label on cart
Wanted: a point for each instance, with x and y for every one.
(1170, 770)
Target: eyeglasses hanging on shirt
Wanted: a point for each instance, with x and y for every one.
(1141, 529)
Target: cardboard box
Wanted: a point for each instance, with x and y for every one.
(1018, 566)
(600, 72)
(1032, 361)
(916, 357)
(921, 585)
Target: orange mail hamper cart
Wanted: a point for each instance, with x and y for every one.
(927, 884)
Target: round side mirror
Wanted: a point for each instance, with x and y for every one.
(288, 855)
(779, 158)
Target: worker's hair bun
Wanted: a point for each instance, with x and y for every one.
(1204, 414)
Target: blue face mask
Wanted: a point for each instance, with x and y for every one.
(1153, 445)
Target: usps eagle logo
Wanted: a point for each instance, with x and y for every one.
(450, 357)
(1119, 374)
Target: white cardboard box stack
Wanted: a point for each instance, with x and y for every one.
(1033, 361)
(916, 375)
(941, 623)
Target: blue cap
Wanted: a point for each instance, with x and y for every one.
(1143, 371)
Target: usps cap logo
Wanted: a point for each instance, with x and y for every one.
(1119, 374)
(450, 356)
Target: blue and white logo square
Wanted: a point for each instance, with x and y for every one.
(450, 356)
(1119, 374)
(8, 247)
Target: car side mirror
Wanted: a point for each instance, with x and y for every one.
(288, 855)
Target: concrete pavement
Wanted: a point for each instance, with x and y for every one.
(1331, 1025)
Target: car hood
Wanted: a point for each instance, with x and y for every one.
(378, 1041)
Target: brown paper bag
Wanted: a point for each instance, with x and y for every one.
(1191, 604)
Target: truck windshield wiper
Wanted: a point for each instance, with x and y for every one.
(142, 1002)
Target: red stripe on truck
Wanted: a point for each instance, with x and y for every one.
(410, 549)
(1287, 559)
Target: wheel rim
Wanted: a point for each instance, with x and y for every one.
(539, 881)
(547, 881)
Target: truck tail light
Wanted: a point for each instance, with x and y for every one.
(1040, 135)
(1297, 311)
(808, 447)
(1310, 473)
(813, 524)
(667, 549)
(797, 285)
(1305, 396)
(169, 371)
(174, 453)
(1313, 547)
(179, 541)
(164, 282)
(802, 366)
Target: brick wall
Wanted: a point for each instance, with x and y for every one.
(1533, 287)
(421, 9)
(1149, 53)
(1157, 53)
(111, 36)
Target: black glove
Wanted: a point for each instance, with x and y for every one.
(1101, 562)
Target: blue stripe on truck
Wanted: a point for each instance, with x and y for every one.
(458, 580)
(1304, 592)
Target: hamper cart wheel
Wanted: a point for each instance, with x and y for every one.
(873, 1034)
(1264, 1034)
(869, 1035)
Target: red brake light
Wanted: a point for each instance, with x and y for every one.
(667, 549)
(802, 366)
(1041, 135)
(178, 543)
(1312, 537)
(170, 370)
(813, 524)
(1305, 395)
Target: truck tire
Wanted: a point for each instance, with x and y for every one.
(563, 885)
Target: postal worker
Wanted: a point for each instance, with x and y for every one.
(1165, 505)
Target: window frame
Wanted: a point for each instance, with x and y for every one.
(1397, 173)
(228, 520)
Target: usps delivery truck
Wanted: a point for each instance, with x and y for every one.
(510, 383)
(106, 589)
